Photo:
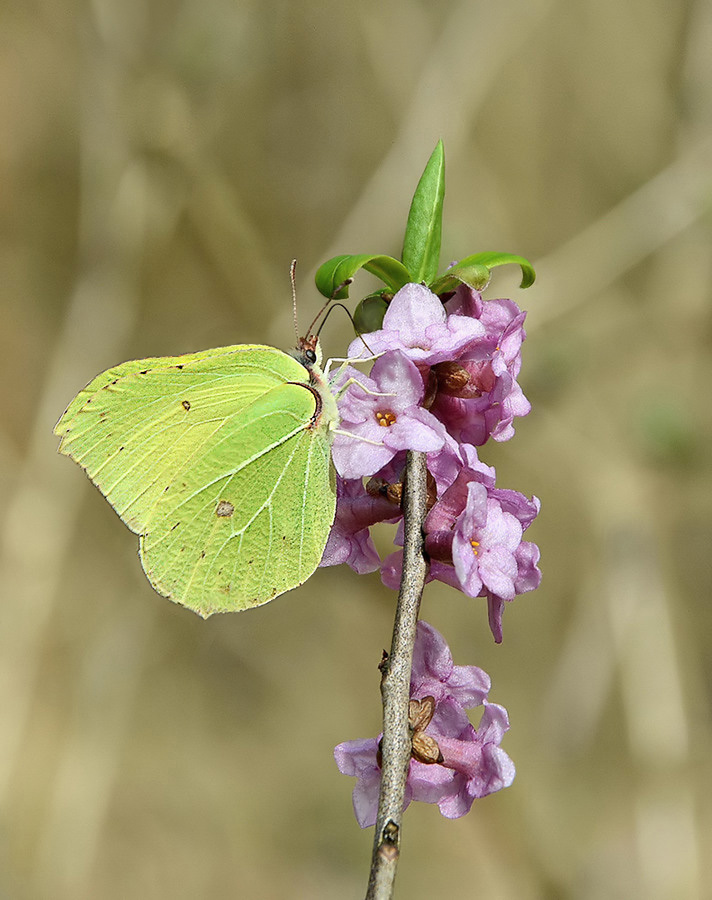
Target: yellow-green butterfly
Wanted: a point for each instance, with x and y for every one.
(220, 462)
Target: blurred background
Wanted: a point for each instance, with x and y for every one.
(161, 163)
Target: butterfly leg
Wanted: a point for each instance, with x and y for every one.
(349, 381)
(357, 437)
(345, 360)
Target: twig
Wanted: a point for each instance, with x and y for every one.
(395, 686)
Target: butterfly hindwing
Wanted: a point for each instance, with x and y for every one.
(241, 537)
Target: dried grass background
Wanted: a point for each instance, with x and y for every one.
(161, 163)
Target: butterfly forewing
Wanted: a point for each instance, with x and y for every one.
(216, 462)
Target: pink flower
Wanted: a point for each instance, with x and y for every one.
(473, 536)
(490, 398)
(479, 764)
(350, 539)
(434, 673)
(382, 415)
(452, 762)
(417, 324)
(445, 383)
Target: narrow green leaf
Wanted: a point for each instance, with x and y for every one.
(423, 233)
(335, 271)
(492, 259)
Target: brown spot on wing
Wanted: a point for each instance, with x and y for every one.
(185, 404)
(224, 509)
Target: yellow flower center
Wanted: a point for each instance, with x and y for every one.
(475, 544)
(385, 418)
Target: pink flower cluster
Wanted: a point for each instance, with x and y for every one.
(452, 763)
(444, 382)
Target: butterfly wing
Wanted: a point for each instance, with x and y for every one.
(220, 462)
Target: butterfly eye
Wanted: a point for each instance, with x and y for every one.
(310, 356)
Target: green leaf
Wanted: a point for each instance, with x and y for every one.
(335, 271)
(369, 314)
(423, 233)
(476, 276)
(492, 259)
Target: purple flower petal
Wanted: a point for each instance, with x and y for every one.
(349, 539)
(429, 783)
(359, 758)
(434, 674)
(417, 324)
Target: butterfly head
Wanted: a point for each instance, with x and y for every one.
(308, 352)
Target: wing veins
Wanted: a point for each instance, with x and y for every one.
(247, 462)
(266, 505)
(149, 453)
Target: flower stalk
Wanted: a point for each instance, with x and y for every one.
(395, 685)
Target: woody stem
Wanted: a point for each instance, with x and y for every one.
(395, 685)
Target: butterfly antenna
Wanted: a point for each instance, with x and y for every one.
(293, 279)
(348, 313)
(337, 290)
